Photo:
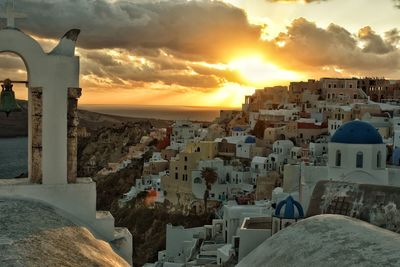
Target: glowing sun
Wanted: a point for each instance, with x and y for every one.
(257, 72)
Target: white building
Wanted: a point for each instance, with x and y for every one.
(333, 125)
(318, 153)
(191, 246)
(239, 131)
(396, 132)
(356, 154)
(253, 231)
(235, 214)
(233, 180)
(259, 168)
(281, 153)
(184, 132)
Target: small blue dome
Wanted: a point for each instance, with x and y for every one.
(290, 205)
(237, 129)
(250, 140)
(357, 132)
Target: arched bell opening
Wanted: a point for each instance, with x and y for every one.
(14, 111)
(29, 102)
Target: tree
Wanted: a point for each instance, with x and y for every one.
(210, 177)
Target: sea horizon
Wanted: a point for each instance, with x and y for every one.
(163, 112)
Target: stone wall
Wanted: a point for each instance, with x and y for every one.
(73, 122)
(375, 204)
(36, 124)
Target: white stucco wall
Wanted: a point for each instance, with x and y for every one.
(250, 239)
(347, 171)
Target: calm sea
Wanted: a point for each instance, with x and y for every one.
(158, 112)
(13, 157)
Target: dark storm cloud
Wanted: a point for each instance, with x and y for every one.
(309, 46)
(374, 43)
(205, 29)
(124, 67)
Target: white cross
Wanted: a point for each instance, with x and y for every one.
(11, 15)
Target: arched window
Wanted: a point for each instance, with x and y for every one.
(379, 160)
(338, 158)
(359, 160)
(197, 180)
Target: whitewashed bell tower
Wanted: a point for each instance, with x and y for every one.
(53, 84)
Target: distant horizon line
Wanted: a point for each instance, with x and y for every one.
(182, 106)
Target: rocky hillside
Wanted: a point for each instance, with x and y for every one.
(108, 144)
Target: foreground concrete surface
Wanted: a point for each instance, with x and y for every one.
(328, 240)
(32, 234)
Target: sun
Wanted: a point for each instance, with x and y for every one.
(255, 71)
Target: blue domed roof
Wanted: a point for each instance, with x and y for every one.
(290, 205)
(357, 132)
(237, 129)
(250, 140)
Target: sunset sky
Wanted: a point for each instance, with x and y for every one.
(212, 53)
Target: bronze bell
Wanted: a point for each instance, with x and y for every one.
(8, 103)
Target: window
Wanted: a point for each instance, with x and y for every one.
(176, 176)
(359, 160)
(186, 158)
(197, 180)
(338, 158)
(185, 167)
(379, 160)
